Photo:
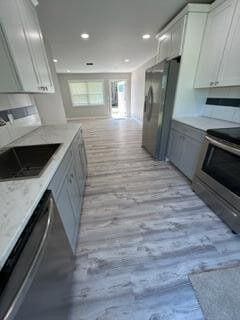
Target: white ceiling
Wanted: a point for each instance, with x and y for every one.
(115, 27)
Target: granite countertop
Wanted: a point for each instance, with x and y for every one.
(205, 123)
(19, 198)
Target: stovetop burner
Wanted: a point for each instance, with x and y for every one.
(231, 135)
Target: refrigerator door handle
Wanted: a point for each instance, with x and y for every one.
(145, 104)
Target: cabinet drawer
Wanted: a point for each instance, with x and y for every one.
(187, 130)
(57, 180)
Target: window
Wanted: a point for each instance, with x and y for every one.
(86, 93)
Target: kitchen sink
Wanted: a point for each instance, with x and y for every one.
(23, 162)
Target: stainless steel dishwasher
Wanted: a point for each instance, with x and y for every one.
(35, 282)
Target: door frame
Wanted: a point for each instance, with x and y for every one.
(126, 93)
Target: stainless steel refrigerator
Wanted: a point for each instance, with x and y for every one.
(160, 87)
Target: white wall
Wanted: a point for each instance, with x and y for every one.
(92, 111)
(138, 90)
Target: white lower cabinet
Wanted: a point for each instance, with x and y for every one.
(184, 148)
(68, 186)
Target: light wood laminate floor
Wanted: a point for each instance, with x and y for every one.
(143, 230)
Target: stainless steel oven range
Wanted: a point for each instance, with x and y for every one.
(217, 178)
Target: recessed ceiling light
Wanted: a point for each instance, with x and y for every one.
(55, 60)
(126, 60)
(146, 36)
(84, 35)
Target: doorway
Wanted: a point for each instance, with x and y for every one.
(118, 98)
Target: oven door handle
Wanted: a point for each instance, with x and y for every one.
(223, 146)
(17, 301)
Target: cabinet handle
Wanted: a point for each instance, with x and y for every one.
(43, 88)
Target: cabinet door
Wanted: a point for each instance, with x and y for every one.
(65, 208)
(175, 147)
(229, 73)
(83, 158)
(164, 46)
(161, 51)
(79, 167)
(158, 57)
(214, 41)
(79, 163)
(190, 154)
(36, 45)
(74, 192)
(177, 36)
(10, 81)
(184, 152)
(18, 47)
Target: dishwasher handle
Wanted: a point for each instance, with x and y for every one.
(17, 300)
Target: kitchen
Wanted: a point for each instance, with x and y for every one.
(135, 217)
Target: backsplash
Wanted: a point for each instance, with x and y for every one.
(223, 103)
(19, 120)
(9, 115)
(227, 102)
(222, 112)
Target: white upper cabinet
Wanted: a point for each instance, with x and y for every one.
(171, 41)
(164, 46)
(216, 49)
(24, 52)
(36, 45)
(177, 36)
(229, 72)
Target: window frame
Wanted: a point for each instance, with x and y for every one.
(86, 81)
